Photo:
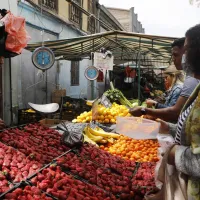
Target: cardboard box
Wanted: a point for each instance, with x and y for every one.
(57, 94)
(50, 122)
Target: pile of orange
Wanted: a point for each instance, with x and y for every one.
(136, 150)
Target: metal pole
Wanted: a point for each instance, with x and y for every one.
(46, 88)
(139, 88)
(92, 82)
(10, 74)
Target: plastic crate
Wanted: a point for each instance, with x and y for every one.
(25, 117)
(137, 128)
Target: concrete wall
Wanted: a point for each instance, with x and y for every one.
(122, 16)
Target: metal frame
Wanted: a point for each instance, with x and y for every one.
(144, 50)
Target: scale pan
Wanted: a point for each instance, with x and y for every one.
(45, 108)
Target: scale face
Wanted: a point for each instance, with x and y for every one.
(43, 58)
(91, 73)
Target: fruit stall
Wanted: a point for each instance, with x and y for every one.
(35, 163)
(79, 159)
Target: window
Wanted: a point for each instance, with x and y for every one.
(75, 13)
(50, 4)
(91, 19)
(91, 25)
(74, 73)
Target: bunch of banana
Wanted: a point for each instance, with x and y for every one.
(98, 135)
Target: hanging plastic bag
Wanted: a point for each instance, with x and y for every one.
(165, 142)
(174, 183)
(17, 37)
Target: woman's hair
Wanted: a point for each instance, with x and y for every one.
(177, 78)
(193, 49)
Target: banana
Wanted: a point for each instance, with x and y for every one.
(93, 137)
(99, 129)
(87, 139)
(103, 134)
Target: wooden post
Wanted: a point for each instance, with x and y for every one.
(1, 86)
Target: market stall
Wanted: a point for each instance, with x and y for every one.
(104, 153)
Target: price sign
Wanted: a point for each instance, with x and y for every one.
(102, 62)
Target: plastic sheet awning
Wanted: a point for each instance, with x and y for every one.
(149, 50)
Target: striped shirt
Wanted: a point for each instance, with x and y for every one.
(181, 121)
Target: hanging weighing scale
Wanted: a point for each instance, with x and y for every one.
(91, 73)
(43, 58)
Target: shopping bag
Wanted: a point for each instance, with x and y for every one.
(174, 182)
(17, 37)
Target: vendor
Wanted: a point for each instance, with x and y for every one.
(173, 82)
(185, 156)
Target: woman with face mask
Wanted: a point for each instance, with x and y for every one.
(173, 84)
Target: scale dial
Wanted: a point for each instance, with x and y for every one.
(43, 58)
(91, 73)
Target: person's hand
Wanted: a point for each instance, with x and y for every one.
(150, 102)
(171, 156)
(2, 124)
(164, 126)
(136, 111)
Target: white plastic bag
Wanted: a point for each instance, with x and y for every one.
(165, 141)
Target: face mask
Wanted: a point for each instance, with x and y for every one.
(183, 61)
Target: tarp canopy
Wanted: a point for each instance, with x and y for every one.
(152, 51)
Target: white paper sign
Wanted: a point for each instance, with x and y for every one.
(103, 63)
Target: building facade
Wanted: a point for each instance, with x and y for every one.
(128, 19)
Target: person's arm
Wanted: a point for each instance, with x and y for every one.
(172, 98)
(185, 161)
(167, 114)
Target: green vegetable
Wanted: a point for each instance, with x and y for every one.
(115, 95)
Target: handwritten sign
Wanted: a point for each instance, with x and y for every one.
(103, 62)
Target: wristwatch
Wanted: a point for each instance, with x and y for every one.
(155, 105)
(143, 111)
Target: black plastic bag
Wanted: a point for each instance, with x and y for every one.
(71, 138)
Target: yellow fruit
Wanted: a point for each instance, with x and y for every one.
(104, 112)
(91, 136)
(103, 133)
(102, 117)
(106, 121)
(113, 121)
(103, 141)
(74, 120)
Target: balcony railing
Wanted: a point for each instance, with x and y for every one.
(75, 13)
(50, 4)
